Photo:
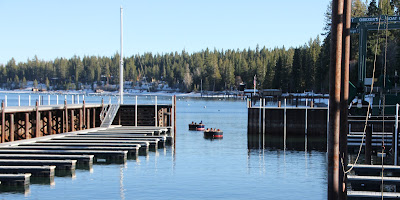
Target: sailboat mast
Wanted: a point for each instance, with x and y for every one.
(121, 67)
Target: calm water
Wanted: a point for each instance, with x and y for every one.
(199, 168)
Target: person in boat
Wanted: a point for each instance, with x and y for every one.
(207, 130)
(218, 130)
(201, 122)
(195, 123)
(192, 122)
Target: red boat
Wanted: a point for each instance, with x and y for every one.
(196, 127)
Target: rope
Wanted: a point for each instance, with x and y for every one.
(384, 102)
(368, 110)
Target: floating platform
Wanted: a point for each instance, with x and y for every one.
(60, 164)
(37, 171)
(15, 179)
(81, 159)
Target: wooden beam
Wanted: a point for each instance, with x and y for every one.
(3, 122)
(27, 126)
(37, 125)
(50, 123)
(72, 120)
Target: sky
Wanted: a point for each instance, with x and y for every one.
(51, 29)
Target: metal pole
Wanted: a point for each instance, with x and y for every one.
(19, 100)
(57, 99)
(121, 67)
(48, 100)
(136, 112)
(263, 124)
(306, 128)
(334, 99)
(73, 99)
(78, 98)
(396, 136)
(38, 100)
(155, 112)
(5, 100)
(284, 126)
(29, 100)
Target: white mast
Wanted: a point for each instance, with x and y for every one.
(121, 68)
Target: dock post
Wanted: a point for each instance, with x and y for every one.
(174, 120)
(306, 121)
(84, 113)
(77, 96)
(12, 128)
(263, 137)
(396, 135)
(48, 99)
(5, 100)
(72, 120)
(27, 126)
(155, 112)
(50, 123)
(80, 119)
(259, 120)
(88, 118)
(65, 115)
(37, 125)
(284, 126)
(279, 104)
(29, 100)
(57, 99)
(368, 147)
(3, 122)
(94, 118)
(137, 111)
(19, 100)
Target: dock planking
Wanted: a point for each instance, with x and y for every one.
(81, 159)
(36, 171)
(60, 164)
(120, 155)
(103, 140)
(372, 195)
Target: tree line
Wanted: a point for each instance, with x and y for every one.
(299, 69)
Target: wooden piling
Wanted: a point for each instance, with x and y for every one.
(3, 122)
(12, 128)
(50, 123)
(37, 122)
(27, 126)
(65, 116)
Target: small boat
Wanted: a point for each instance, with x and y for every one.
(196, 127)
(213, 134)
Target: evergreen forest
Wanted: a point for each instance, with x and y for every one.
(292, 69)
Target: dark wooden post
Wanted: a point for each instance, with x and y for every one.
(37, 125)
(80, 119)
(368, 145)
(50, 123)
(84, 115)
(88, 118)
(94, 118)
(27, 126)
(65, 116)
(12, 128)
(72, 120)
(3, 122)
(335, 70)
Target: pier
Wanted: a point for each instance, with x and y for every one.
(40, 142)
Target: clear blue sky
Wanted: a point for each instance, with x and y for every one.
(51, 29)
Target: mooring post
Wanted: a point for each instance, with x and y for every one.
(284, 125)
(368, 145)
(306, 121)
(29, 100)
(38, 100)
(19, 100)
(136, 112)
(50, 123)
(3, 122)
(5, 100)
(174, 120)
(94, 118)
(66, 115)
(37, 125)
(80, 119)
(263, 136)
(57, 99)
(279, 104)
(27, 126)
(12, 128)
(77, 96)
(155, 112)
(84, 114)
(259, 121)
(72, 99)
(396, 135)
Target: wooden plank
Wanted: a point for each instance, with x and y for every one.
(373, 179)
(113, 148)
(376, 167)
(117, 154)
(368, 194)
(81, 159)
(37, 171)
(15, 179)
(60, 164)
(74, 140)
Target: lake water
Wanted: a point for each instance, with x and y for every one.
(198, 168)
